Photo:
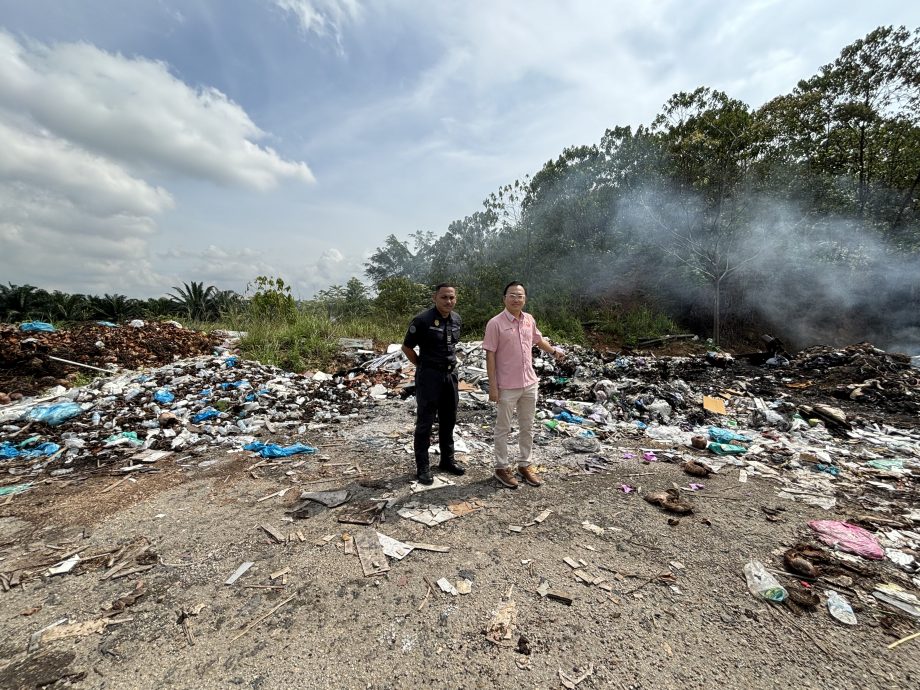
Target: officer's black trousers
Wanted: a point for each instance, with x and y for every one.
(436, 394)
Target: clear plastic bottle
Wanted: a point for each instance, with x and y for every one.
(840, 608)
(763, 584)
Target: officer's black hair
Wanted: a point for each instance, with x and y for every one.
(437, 288)
(512, 284)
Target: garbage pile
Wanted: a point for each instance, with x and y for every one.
(192, 405)
(26, 364)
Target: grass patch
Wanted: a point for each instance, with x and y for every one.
(635, 324)
(310, 340)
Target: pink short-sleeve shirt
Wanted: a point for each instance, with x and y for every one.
(511, 339)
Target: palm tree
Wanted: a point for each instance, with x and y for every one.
(195, 301)
(67, 307)
(18, 302)
(114, 307)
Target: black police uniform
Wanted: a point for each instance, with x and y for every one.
(435, 382)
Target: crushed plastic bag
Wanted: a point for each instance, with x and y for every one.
(273, 450)
(205, 414)
(163, 396)
(8, 451)
(849, 538)
(720, 435)
(36, 326)
(124, 438)
(568, 417)
(55, 414)
(726, 449)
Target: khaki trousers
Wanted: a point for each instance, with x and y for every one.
(522, 401)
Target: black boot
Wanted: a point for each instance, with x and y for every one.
(451, 467)
(423, 474)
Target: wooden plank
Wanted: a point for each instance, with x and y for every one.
(559, 595)
(373, 560)
(279, 573)
(572, 563)
(273, 532)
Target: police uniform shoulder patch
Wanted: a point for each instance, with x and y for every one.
(437, 323)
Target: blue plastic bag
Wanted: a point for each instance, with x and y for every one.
(231, 361)
(8, 451)
(720, 435)
(227, 385)
(41, 450)
(273, 450)
(52, 415)
(36, 326)
(726, 449)
(205, 414)
(163, 396)
(566, 416)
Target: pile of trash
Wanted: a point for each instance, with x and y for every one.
(192, 405)
(30, 355)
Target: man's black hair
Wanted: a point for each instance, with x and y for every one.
(437, 288)
(512, 284)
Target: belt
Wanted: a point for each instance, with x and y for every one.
(450, 366)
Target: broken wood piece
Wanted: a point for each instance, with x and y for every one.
(238, 572)
(428, 547)
(571, 562)
(133, 571)
(112, 486)
(272, 532)
(904, 639)
(515, 528)
(262, 618)
(279, 573)
(560, 596)
(373, 560)
(542, 516)
(277, 493)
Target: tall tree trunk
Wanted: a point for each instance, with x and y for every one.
(717, 288)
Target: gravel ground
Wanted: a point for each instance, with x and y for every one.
(672, 612)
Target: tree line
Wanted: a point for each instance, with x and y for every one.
(191, 301)
(721, 216)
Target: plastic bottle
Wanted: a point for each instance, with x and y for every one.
(763, 584)
(839, 608)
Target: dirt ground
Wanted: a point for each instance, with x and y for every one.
(329, 626)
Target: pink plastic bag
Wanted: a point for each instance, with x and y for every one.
(848, 537)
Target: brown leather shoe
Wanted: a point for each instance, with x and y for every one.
(506, 477)
(528, 475)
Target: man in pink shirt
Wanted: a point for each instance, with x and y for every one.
(512, 381)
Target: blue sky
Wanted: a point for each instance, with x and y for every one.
(153, 142)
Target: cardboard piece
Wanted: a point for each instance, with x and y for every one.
(712, 404)
(373, 560)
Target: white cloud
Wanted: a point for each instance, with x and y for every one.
(82, 129)
(322, 17)
(134, 111)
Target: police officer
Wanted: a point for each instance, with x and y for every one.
(436, 333)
